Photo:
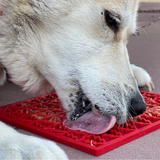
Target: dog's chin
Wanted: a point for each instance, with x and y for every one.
(92, 122)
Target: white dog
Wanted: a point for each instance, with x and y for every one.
(79, 48)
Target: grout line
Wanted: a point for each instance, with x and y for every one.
(149, 11)
(154, 21)
(146, 25)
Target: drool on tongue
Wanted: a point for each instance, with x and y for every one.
(92, 123)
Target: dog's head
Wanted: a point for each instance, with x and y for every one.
(84, 56)
(92, 73)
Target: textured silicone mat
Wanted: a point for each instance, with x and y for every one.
(44, 116)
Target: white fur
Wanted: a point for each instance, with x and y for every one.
(67, 44)
(2, 75)
(142, 77)
(17, 146)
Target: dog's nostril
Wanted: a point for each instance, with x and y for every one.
(137, 106)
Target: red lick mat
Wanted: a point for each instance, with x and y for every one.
(44, 116)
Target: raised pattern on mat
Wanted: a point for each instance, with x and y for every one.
(44, 116)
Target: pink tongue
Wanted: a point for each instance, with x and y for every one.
(92, 123)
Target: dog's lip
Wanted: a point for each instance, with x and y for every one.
(83, 106)
(92, 123)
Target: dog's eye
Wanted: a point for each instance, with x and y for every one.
(112, 21)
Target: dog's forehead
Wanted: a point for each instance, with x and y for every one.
(119, 5)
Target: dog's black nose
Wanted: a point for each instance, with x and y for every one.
(137, 106)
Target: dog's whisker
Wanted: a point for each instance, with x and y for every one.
(88, 107)
(142, 29)
(156, 25)
(130, 116)
(133, 111)
(102, 114)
